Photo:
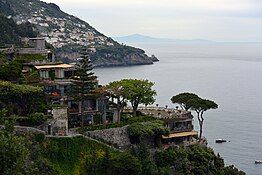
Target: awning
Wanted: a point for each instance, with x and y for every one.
(180, 134)
(59, 66)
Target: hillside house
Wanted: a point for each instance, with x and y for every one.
(179, 122)
(57, 79)
(37, 46)
(181, 127)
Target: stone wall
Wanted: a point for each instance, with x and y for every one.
(60, 115)
(25, 130)
(58, 125)
(118, 136)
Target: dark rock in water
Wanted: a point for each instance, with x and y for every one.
(220, 140)
(258, 162)
(154, 58)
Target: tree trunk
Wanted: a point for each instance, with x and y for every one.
(135, 106)
(201, 122)
(134, 111)
(81, 113)
(200, 130)
(119, 116)
(200, 127)
(116, 115)
(104, 112)
(118, 110)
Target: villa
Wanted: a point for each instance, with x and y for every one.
(181, 127)
(179, 122)
(56, 79)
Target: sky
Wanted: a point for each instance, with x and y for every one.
(218, 20)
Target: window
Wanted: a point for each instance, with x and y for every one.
(59, 73)
(44, 74)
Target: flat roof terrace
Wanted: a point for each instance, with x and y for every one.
(163, 113)
(56, 66)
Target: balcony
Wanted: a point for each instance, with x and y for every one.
(182, 129)
(84, 110)
(54, 94)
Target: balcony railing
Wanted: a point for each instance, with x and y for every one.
(182, 129)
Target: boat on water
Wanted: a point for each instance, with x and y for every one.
(220, 140)
(258, 161)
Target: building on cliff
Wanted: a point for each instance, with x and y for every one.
(36, 46)
(179, 122)
(181, 127)
(56, 79)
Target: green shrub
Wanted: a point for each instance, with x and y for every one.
(76, 154)
(30, 57)
(147, 129)
(13, 153)
(100, 127)
(37, 118)
(124, 164)
(97, 119)
(21, 99)
(32, 120)
(131, 120)
(231, 170)
(39, 137)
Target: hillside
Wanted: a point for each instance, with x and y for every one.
(68, 34)
(30, 152)
(11, 33)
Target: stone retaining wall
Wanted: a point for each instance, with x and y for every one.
(27, 130)
(118, 136)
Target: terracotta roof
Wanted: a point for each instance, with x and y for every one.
(59, 66)
(180, 134)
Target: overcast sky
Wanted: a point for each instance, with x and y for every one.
(220, 20)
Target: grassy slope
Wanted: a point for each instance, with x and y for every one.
(69, 154)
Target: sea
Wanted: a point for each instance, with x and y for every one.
(228, 73)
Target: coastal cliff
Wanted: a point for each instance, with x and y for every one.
(69, 34)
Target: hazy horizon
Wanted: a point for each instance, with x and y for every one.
(216, 20)
(174, 40)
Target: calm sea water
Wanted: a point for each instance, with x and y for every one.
(228, 73)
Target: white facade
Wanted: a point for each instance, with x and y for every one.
(59, 73)
(44, 74)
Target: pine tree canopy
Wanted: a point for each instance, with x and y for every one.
(84, 81)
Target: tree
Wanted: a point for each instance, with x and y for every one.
(124, 163)
(11, 71)
(10, 32)
(21, 99)
(22, 153)
(84, 81)
(175, 158)
(142, 153)
(231, 170)
(13, 151)
(155, 129)
(182, 99)
(200, 105)
(138, 92)
(116, 91)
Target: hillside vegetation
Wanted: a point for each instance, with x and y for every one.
(11, 33)
(35, 154)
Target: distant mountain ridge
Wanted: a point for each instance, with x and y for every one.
(138, 38)
(69, 34)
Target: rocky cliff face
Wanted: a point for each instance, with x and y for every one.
(69, 34)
